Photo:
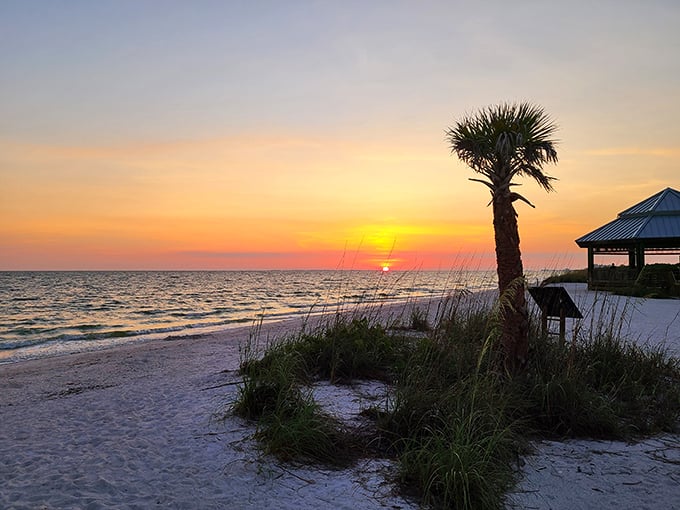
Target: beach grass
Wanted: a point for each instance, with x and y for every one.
(454, 420)
(291, 425)
(569, 276)
(602, 388)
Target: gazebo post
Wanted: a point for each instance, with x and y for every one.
(640, 248)
(591, 265)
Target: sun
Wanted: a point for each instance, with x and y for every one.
(385, 268)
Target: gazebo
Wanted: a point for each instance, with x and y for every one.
(649, 227)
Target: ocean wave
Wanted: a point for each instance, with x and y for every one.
(87, 333)
(50, 309)
(9, 345)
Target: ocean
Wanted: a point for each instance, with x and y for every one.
(58, 312)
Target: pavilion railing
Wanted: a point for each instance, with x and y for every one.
(612, 277)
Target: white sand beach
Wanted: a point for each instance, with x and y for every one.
(137, 427)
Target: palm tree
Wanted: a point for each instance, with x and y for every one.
(501, 142)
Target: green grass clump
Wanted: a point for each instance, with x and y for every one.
(655, 281)
(419, 321)
(342, 351)
(270, 388)
(601, 387)
(461, 463)
(643, 384)
(291, 425)
(356, 350)
(455, 445)
(558, 401)
(455, 420)
(301, 431)
(569, 276)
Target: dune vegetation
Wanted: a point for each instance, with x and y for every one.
(455, 420)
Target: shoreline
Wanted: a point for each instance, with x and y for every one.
(137, 425)
(47, 314)
(385, 308)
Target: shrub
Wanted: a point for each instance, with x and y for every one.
(569, 276)
(419, 320)
(343, 351)
(657, 281)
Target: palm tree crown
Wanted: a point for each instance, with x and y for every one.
(504, 141)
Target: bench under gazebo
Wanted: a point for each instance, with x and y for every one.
(651, 227)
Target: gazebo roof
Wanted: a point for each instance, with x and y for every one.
(654, 222)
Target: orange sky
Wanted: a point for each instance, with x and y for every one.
(293, 203)
(320, 143)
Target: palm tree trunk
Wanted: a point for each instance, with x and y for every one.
(514, 314)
